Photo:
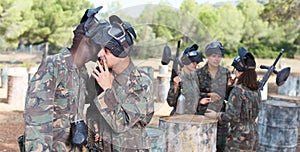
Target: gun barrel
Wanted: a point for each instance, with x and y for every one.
(178, 48)
(279, 55)
(176, 62)
(270, 70)
(264, 67)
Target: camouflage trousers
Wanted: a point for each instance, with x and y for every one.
(222, 133)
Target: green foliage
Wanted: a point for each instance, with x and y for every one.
(231, 27)
(281, 11)
(148, 45)
(263, 29)
(190, 6)
(210, 18)
(254, 27)
(234, 26)
(38, 21)
(262, 51)
(290, 49)
(14, 21)
(57, 27)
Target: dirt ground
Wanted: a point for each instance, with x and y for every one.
(11, 127)
(11, 120)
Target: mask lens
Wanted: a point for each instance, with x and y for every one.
(214, 45)
(237, 59)
(117, 32)
(193, 53)
(89, 23)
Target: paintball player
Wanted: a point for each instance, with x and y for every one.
(57, 92)
(186, 84)
(243, 105)
(215, 81)
(120, 113)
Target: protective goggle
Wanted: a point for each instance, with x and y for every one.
(192, 53)
(90, 23)
(93, 25)
(237, 64)
(215, 45)
(117, 32)
(237, 59)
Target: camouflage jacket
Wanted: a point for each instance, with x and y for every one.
(241, 111)
(55, 98)
(122, 113)
(217, 85)
(189, 89)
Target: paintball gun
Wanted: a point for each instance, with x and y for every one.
(179, 106)
(281, 77)
(167, 57)
(91, 144)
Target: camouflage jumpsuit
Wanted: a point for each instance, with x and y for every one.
(219, 86)
(241, 111)
(55, 95)
(120, 115)
(190, 90)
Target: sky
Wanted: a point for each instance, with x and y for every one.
(130, 3)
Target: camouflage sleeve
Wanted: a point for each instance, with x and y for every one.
(201, 109)
(38, 112)
(233, 108)
(124, 110)
(172, 95)
(203, 88)
(91, 90)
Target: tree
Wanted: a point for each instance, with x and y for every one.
(281, 11)
(15, 19)
(171, 24)
(211, 19)
(254, 27)
(284, 18)
(231, 29)
(148, 45)
(190, 6)
(55, 20)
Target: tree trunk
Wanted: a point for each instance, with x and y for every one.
(46, 50)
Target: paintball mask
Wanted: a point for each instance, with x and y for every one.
(244, 61)
(79, 132)
(190, 55)
(214, 48)
(91, 26)
(118, 36)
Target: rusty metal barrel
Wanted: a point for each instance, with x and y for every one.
(292, 86)
(163, 83)
(278, 122)
(17, 87)
(189, 133)
(156, 139)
